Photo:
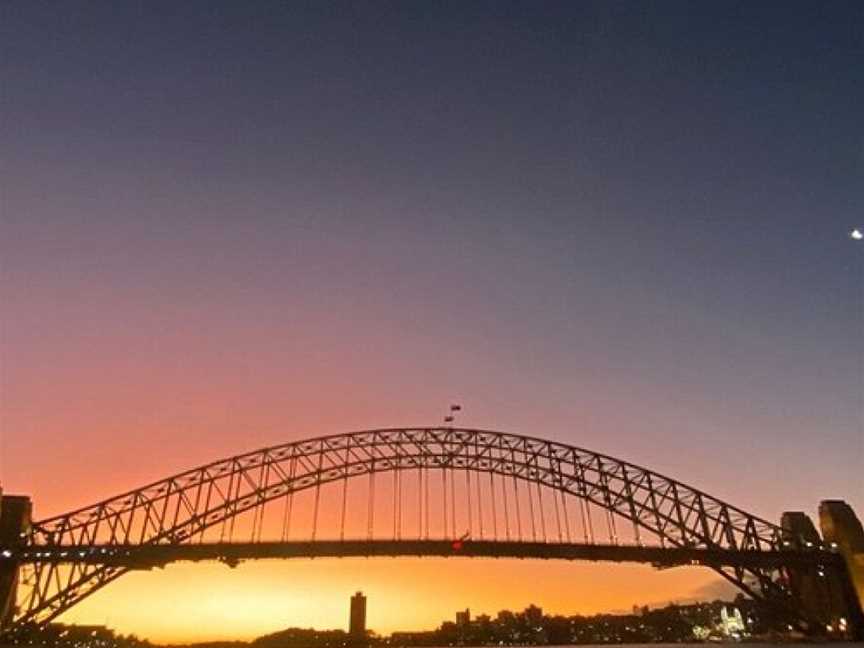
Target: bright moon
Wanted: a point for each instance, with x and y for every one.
(856, 234)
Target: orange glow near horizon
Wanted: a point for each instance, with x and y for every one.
(198, 602)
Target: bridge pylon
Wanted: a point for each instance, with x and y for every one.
(15, 515)
(468, 477)
(842, 532)
(817, 589)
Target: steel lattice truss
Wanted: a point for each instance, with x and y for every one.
(179, 509)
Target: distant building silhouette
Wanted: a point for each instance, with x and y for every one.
(463, 617)
(357, 621)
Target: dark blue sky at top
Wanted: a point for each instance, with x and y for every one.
(721, 126)
(660, 191)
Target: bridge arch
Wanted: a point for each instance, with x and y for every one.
(180, 509)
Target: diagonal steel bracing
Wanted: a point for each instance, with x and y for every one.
(178, 510)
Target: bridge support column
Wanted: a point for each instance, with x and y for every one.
(820, 604)
(842, 531)
(15, 514)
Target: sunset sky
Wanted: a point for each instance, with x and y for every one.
(618, 225)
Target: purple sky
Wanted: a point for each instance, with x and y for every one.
(622, 226)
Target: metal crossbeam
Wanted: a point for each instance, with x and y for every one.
(158, 555)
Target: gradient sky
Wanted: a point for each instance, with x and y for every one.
(618, 225)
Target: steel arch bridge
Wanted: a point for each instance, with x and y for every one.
(446, 491)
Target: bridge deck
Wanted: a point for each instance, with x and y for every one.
(156, 555)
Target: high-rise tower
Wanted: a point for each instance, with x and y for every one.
(357, 622)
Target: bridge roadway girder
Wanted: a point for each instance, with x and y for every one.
(159, 555)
